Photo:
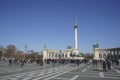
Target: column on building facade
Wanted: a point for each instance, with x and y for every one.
(102, 56)
(50, 55)
(57, 55)
(54, 55)
(107, 54)
(110, 54)
(64, 56)
(47, 55)
(117, 54)
(60, 56)
(114, 54)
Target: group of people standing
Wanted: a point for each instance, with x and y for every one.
(106, 65)
(20, 62)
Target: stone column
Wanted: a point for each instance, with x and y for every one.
(102, 55)
(114, 56)
(57, 55)
(117, 54)
(50, 55)
(76, 51)
(110, 55)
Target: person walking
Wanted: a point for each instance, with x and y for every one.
(104, 66)
(117, 62)
(109, 65)
(21, 63)
(10, 61)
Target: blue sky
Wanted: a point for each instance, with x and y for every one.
(36, 23)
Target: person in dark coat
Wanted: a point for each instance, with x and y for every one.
(104, 66)
(117, 62)
(109, 65)
(10, 61)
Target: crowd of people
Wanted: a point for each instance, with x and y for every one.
(39, 61)
(106, 64)
(75, 62)
(20, 62)
(15, 61)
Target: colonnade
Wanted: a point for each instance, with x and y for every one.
(56, 55)
(111, 54)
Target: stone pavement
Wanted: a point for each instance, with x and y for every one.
(6, 69)
(67, 72)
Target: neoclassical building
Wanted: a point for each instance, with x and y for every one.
(60, 54)
(69, 53)
(56, 54)
(108, 53)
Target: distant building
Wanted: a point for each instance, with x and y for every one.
(56, 54)
(64, 54)
(107, 53)
(60, 54)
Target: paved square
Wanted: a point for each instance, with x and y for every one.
(64, 72)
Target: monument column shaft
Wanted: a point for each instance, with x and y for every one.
(76, 51)
(76, 39)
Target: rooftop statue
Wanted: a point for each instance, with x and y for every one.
(69, 47)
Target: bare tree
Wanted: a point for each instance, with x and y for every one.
(10, 51)
(19, 54)
(88, 56)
